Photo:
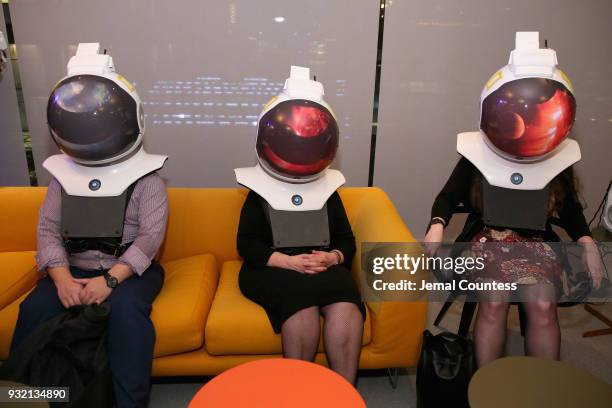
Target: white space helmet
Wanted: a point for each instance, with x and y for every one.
(95, 114)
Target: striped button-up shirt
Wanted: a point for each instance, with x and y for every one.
(145, 222)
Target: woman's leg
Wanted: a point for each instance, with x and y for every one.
(342, 334)
(490, 331)
(300, 334)
(543, 335)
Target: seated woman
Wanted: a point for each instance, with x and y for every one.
(530, 262)
(294, 234)
(516, 175)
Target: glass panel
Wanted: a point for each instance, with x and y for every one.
(204, 70)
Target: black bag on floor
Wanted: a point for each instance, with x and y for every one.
(444, 372)
(68, 350)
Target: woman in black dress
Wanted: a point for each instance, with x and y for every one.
(297, 285)
(532, 264)
(297, 140)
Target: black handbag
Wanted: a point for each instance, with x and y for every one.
(68, 350)
(445, 368)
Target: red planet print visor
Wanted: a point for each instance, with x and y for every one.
(528, 117)
(297, 138)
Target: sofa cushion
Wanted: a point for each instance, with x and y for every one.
(182, 306)
(19, 275)
(179, 311)
(236, 325)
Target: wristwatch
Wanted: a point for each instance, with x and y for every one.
(111, 281)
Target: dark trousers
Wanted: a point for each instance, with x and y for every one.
(131, 335)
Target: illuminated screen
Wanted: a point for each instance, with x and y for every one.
(214, 100)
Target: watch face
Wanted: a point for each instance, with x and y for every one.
(111, 281)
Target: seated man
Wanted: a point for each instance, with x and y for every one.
(103, 219)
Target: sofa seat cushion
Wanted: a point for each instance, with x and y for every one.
(182, 306)
(19, 275)
(237, 325)
(179, 311)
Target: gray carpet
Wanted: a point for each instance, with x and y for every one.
(591, 354)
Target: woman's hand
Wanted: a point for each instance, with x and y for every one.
(591, 258)
(297, 262)
(433, 239)
(68, 290)
(319, 261)
(294, 263)
(315, 262)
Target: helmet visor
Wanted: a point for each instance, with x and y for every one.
(529, 117)
(92, 118)
(297, 138)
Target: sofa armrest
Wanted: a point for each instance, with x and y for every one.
(19, 275)
(396, 326)
(19, 217)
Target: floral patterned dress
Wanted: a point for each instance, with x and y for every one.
(512, 258)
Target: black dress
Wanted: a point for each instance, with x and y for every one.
(283, 292)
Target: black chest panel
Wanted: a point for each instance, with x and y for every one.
(298, 229)
(515, 209)
(94, 223)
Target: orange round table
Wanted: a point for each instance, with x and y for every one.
(275, 383)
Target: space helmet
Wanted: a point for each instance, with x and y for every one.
(297, 132)
(94, 114)
(527, 108)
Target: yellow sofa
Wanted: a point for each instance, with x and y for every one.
(204, 325)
